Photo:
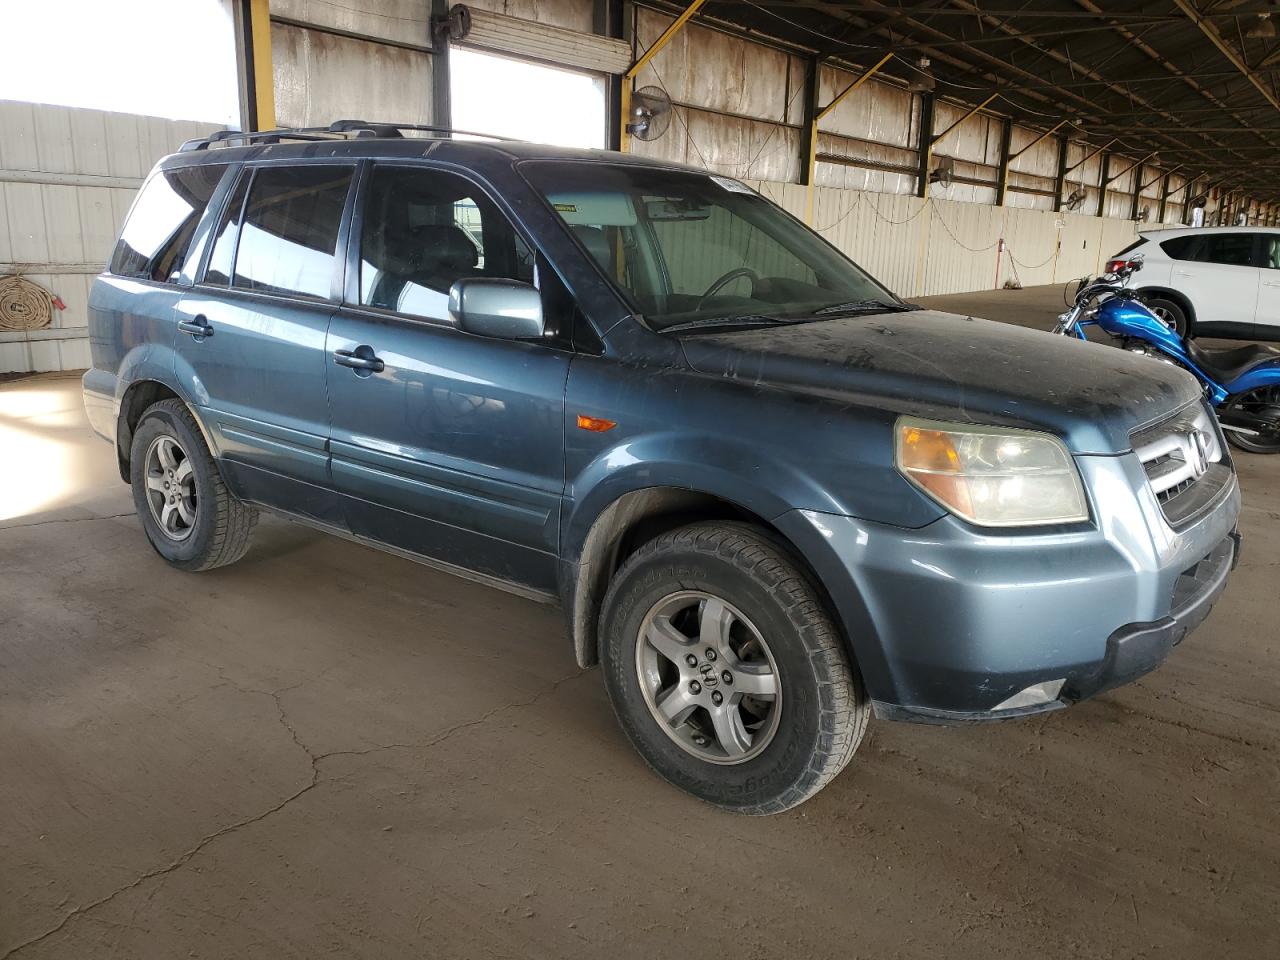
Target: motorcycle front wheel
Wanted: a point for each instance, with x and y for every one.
(1262, 404)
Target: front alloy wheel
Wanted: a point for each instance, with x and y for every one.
(726, 670)
(708, 677)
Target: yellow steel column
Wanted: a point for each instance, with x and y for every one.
(263, 79)
(813, 131)
(628, 78)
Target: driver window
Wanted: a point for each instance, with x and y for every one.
(424, 229)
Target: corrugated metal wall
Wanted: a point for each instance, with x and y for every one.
(330, 61)
(738, 104)
(67, 178)
(925, 247)
(740, 111)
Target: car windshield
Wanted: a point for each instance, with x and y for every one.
(692, 250)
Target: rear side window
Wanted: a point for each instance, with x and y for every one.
(423, 230)
(1184, 248)
(155, 238)
(289, 235)
(1232, 249)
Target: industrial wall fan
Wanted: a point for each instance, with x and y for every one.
(650, 114)
(944, 173)
(1076, 198)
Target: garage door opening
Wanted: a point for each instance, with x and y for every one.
(528, 101)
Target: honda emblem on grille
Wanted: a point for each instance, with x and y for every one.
(1198, 453)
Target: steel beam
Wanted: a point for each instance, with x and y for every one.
(811, 164)
(1002, 177)
(1102, 184)
(929, 142)
(1089, 156)
(1007, 158)
(1237, 61)
(809, 128)
(925, 151)
(629, 78)
(1060, 181)
(253, 65)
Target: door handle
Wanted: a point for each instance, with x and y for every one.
(1271, 283)
(361, 359)
(198, 328)
(1183, 273)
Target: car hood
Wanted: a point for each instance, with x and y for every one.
(949, 367)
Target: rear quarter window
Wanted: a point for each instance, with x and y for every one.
(156, 235)
(1184, 248)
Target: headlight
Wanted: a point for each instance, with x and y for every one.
(992, 476)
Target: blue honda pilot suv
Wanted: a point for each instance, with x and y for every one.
(772, 497)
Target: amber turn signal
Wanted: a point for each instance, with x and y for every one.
(595, 424)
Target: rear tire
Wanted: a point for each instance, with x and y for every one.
(187, 513)
(726, 671)
(1263, 402)
(1170, 312)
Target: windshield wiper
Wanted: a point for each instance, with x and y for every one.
(866, 306)
(747, 320)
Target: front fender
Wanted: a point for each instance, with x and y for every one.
(704, 464)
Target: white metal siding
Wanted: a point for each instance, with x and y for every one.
(920, 248)
(321, 77)
(67, 178)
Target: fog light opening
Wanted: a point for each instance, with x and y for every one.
(1033, 696)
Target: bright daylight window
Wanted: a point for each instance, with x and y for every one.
(157, 58)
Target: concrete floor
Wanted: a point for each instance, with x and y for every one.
(327, 751)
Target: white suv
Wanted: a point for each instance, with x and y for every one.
(1211, 281)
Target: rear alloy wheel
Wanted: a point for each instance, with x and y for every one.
(171, 488)
(726, 671)
(1170, 313)
(1264, 404)
(187, 512)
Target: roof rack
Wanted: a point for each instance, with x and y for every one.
(338, 130)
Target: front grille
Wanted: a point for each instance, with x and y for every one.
(1185, 462)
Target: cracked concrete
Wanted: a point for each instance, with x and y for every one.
(315, 781)
(324, 750)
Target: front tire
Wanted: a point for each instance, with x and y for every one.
(187, 513)
(726, 671)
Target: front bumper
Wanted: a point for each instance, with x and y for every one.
(948, 622)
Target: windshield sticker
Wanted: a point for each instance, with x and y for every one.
(566, 208)
(733, 186)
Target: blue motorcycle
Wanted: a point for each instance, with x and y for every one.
(1243, 384)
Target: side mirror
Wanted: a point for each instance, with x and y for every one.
(506, 309)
